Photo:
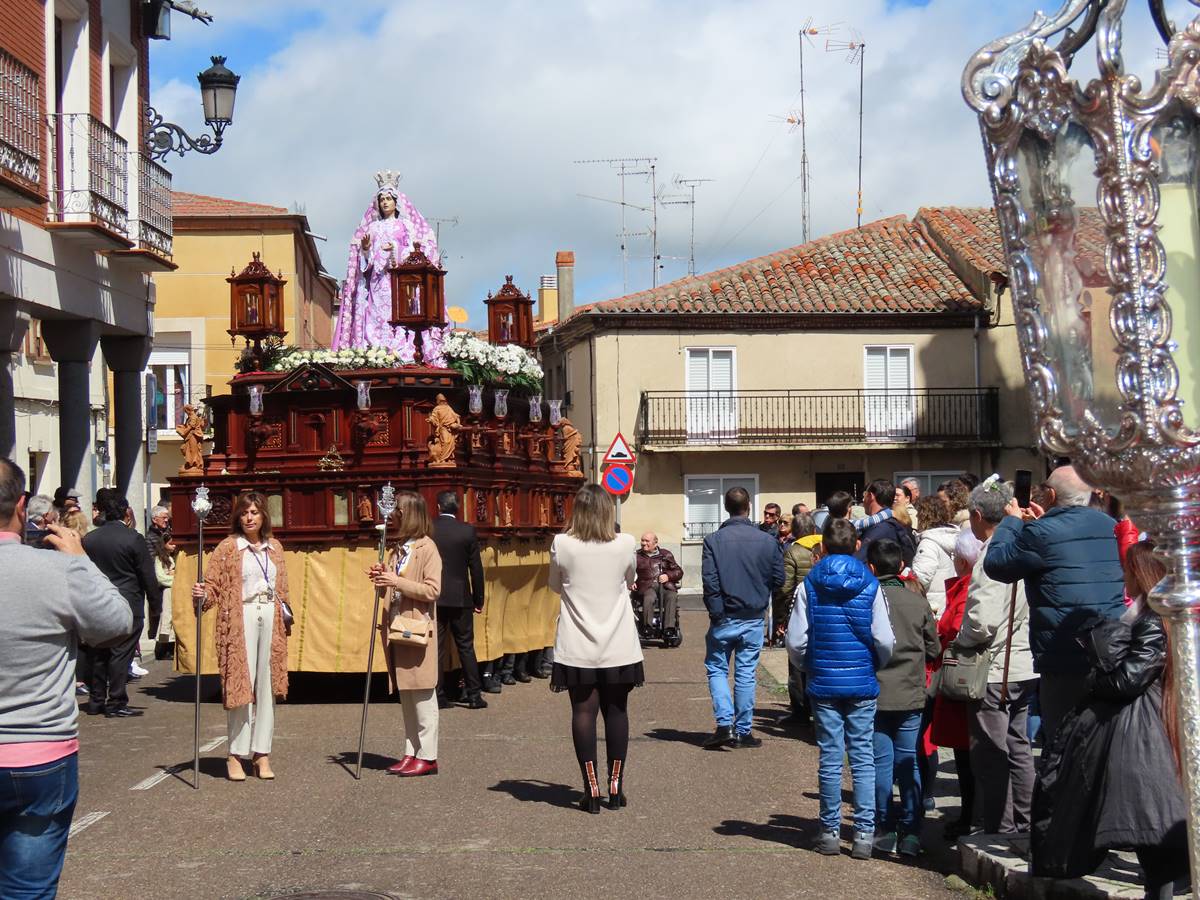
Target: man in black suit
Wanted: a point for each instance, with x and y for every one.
(120, 553)
(461, 597)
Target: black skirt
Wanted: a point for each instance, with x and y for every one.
(564, 677)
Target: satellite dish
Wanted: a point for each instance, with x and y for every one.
(457, 314)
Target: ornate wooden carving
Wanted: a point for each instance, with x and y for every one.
(312, 416)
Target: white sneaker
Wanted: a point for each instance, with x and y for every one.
(137, 671)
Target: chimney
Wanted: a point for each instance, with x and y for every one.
(565, 261)
(548, 299)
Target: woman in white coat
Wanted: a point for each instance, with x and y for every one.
(934, 562)
(597, 655)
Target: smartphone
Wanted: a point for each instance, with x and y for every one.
(1023, 487)
(36, 537)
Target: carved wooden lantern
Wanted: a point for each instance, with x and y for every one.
(256, 302)
(418, 296)
(510, 316)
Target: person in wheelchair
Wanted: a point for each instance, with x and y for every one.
(657, 591)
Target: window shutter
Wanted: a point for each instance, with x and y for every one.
(720, 371)
(898, 371)
(697, 370)
(875, 371)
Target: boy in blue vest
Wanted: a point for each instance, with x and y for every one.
(839, 634)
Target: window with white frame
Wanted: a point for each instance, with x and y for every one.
(172, 374)
(889, 407)
(704, 501)
(711, 379)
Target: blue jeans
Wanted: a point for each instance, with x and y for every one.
(36, 805)
(845, 727)
(896, 736)
(743, 638)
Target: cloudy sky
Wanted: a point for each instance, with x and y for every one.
(485, 107)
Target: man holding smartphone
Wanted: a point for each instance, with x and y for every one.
(48, 602)
(1068, 560)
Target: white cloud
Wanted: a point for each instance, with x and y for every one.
(484, 107)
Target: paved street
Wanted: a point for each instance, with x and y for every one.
(499, 820)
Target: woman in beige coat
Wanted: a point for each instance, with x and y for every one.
(246, 579)
(413, 581)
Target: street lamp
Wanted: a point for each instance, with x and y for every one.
(1095, 190)
(218, 89)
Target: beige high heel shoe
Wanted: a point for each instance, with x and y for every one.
(262, 767)
(233, 766)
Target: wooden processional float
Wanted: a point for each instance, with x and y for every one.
(321, 441)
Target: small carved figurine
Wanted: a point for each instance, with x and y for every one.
(444, 425)
(192, 432)
(366, 509)
(572, 442)
(507, 512)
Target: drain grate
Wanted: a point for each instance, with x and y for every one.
(335, 895)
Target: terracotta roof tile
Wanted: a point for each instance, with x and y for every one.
(185, 204)
(973, 234)
(888, 266)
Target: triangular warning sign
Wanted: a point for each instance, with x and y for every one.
(619, 452)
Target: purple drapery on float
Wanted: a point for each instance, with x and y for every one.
(364, 319)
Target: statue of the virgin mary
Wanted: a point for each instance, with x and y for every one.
(385, 236)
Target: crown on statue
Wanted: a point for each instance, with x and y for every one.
(387, 180)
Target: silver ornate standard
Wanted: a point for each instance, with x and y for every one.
(387, 506)
(1095, 189)
(201, 506)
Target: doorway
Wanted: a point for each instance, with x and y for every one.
(827, 483)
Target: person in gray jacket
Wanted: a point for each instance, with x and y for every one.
(48, 602)
(1001, 754)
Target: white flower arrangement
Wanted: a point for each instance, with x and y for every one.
(478, 361)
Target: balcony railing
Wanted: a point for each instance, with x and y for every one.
(150, 222)
(91, 172)
(803, 417)
(20, 105)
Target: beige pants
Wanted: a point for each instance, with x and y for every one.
(251, 726)
(420, 712)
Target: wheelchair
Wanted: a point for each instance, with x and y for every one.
(670, 636)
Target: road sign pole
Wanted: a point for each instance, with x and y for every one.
(618, 500)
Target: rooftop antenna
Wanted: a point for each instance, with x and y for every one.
(688, 184)
(796, 118)
(855, 50)
(437, 230)
(632, 165)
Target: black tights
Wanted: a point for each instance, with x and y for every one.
(611, 700)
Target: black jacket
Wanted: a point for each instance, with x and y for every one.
(892, 529)
(120, 553)
(1109, 781)
(462, 568)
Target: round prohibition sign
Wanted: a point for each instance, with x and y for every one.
(617, 479)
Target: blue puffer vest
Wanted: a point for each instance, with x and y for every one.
(841, 658)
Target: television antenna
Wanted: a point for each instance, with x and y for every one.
(437, 230)
(797, 118)
(625, 166)
(855, 50)
(689, 199)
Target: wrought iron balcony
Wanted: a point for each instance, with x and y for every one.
(91, 174)
(150, 222)
(798, 418)
(20, 134)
